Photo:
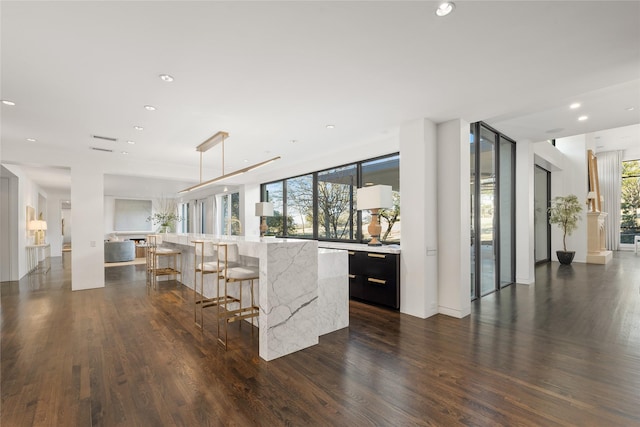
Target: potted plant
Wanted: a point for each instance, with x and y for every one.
(565, 213)
(165, 216)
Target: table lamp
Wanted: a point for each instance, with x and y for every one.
(263, 210)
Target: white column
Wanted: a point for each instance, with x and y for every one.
(525, 256)
(87, 214)
(454, 224)
(419, 235)
(248, 199)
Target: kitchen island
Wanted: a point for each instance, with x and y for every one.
(298, 302)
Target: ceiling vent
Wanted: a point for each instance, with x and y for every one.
(106, 150)
(105, 138)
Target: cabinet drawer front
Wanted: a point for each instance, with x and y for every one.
(356, 287)
(384, 294)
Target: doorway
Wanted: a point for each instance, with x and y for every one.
(541, 203)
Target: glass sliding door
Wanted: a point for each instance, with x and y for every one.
(506, 201)
(492, 190)
(472, 192)
(487, 210)
(542, 229)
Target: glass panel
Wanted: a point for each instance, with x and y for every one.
(472, 192)
(300, 206)
(540, 214)
(274, 193)
(336, 195)
(487, 210)
(384, 171)
(507, 207)
(630, 202)
(236, 226)
(225, 216)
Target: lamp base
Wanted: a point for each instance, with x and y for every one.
(263, 226)
(374, 229)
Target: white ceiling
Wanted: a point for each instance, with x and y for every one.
(272, 72)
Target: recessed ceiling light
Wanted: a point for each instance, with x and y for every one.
(124, 152)
(445, 8)
(225, 189)
(630, 108)
(150, 108)
(131, 142)
(31, 139)
(293, 141)
(583, 118)
(331, 126)
(7, 102)
(246, 160)
(138, 128)
(165, 77)
(575, 105)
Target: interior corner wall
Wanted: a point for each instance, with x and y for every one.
(573, 179)
(454, 255)
(87, 214)
(27, 195)
(418, 204)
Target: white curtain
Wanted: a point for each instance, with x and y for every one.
(610, 176)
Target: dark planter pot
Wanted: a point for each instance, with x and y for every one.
(565, 257)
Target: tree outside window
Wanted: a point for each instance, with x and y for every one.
(630, 203)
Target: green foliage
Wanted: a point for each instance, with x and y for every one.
(630, 192)
(391, 215)
(565, 213)
(275, 224)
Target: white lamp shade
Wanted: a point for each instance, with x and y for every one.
(43, 225)
(375, 197)
(264, 209)
(37, 225)
(591, 195)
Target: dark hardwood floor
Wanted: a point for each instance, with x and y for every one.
(565, 352)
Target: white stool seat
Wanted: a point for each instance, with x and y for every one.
(243, 273)
(210, 267)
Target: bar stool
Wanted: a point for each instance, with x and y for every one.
(202, 250)
(154, 252)
(231, 275)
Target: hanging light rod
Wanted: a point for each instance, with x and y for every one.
(229, 175)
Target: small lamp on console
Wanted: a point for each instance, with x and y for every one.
(591, 200)
(263, 210)
(38, 226)
(375, 198)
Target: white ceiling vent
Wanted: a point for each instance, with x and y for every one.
(106, 150)
(105, 138)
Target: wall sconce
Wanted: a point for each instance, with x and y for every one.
(263, 210)
(374, 198)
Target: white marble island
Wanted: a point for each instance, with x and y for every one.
(298, 302)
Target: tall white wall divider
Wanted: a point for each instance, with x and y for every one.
(418, 204)
(454, 226)
(525, 257)
(248, 199)
(87, 214)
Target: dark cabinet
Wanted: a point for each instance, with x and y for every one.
(375, 278)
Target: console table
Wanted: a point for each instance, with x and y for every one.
(38, 258)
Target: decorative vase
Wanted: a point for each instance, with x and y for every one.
(565, 257)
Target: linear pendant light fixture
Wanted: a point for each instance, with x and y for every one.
(216, 139)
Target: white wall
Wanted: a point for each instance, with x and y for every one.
(572, 179)
(87, 213)
(418, 204)
(454, 228)
(249, 196)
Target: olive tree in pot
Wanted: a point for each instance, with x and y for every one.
(565, 213)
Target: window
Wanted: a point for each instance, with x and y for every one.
(322, 205)
(183, 212)
(229, 214)
(630, 201)
(299, 196)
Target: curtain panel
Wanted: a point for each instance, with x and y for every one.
(610, 176)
